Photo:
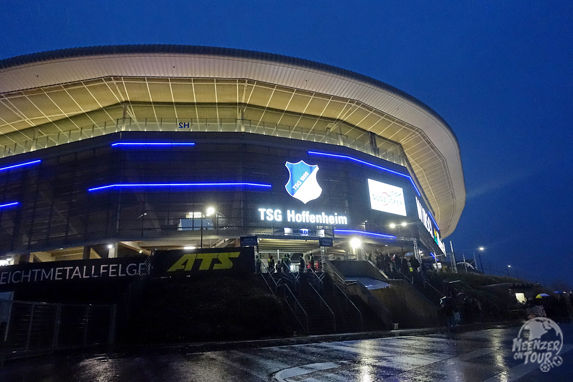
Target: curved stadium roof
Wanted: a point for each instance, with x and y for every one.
(78, 86)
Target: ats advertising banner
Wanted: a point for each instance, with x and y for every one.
(204, 261)
(71, 271)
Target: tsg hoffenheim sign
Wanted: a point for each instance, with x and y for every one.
(302, 183)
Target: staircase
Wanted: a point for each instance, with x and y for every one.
(331, 310)
(320, 305)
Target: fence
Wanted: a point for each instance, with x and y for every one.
(29, 328)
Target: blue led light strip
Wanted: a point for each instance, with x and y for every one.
(134, 185)
(9, 204)
(20, 165)
(363, 233)
(152, 144)
(367, 164)
(432, 217)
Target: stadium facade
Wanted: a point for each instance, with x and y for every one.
(116, 151)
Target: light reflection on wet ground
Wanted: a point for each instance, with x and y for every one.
(470, 356)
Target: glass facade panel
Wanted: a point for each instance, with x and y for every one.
(56, 208)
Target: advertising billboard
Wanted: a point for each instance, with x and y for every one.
(204, 261)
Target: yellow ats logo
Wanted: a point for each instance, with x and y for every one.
(186, 262)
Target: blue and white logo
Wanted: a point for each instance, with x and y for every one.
(302, 183)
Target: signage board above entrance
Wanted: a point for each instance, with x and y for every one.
(249, 241)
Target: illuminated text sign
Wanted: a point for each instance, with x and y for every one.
(292, 216)
(427, 221)
(68, 271)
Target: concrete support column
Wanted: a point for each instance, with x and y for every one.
(86, 253)
(112, 254)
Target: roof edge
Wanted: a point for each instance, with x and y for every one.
(106, 50)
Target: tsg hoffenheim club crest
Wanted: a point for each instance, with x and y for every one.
(302, 183)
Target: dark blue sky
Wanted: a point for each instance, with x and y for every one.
(500, 73)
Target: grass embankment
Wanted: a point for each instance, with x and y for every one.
(207, 309)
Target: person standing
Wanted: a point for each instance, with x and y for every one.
(301, 264)
(311, 261)
(415, 264)
(448, 308)
(405, 265)
(271, 264)
(286, 263)
(258, 263)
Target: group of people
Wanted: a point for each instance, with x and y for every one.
(554, 306)
(460, 309)
(283, 265)
(395, 264)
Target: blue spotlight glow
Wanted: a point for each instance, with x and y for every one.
(182, 185)
(20, 165)
(363, 233)
(9, 205)
(160, 144)
(367, 164)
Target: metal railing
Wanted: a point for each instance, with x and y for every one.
(427, 284)
(381, 311)
(347, 300)
(288, 297)
(340, 282)
(323, 303)
(262, 274)
(208, 125)
(295, 307)
(316, 279)
(480, 296)
(30, 328)
(362, 292)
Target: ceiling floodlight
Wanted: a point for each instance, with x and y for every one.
(110, 246)
(355, 243)
(210, 211)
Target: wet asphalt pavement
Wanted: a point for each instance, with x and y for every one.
(482, 355)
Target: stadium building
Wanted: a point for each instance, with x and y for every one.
(110, 153)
